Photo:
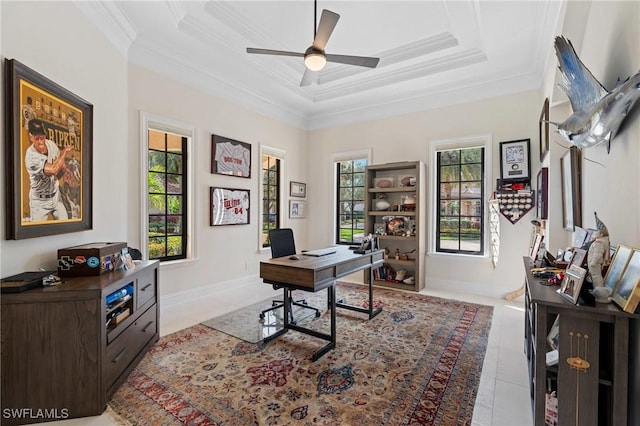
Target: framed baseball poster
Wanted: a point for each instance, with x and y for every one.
(230, 157)
(514, 160)
(49, 145)
(229, 206)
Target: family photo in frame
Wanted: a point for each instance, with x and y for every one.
(49, 143)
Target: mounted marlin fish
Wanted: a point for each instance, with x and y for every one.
(597, 113)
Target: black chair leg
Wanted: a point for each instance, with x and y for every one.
(279, 304)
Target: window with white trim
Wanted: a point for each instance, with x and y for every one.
(271, 192)
(350, 190)
(167, 186)
(459, 195)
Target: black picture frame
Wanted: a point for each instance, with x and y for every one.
(230, 157)
(229, 206)
(543, 193)
(544, 130)
(571, 189)
(515, 161)
(67, 121)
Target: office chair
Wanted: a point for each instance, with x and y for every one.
(283, 244)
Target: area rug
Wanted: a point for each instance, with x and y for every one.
(417, 363)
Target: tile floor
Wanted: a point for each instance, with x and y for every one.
(503, 395)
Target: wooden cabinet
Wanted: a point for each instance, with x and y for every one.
(63, 356)
(395, 211)
(591, 376)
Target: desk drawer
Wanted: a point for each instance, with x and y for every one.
(126, 347)
(145, 288)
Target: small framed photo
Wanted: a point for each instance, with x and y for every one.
(618, 264)
(297, 209)
(229, 206)
(572, 283)
(627, 293)
(535, 247)
(230, 157)
(297, 189)
(514, 160)
(578, 258)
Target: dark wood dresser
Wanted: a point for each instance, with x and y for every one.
(65, 351)
(592, 372)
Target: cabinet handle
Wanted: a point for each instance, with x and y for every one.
(144, 330)
(120, 355)
(146, 286)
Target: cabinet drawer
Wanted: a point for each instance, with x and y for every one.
(145, 288)
(126, 347)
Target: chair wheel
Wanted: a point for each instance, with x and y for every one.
(317, 314)
(261, 316)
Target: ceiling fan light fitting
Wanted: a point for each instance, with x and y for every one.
(315, 61)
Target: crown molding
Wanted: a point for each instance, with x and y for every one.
(111, 21)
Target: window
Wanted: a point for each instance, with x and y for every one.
(350, 206)
(460, 195)
(270, 196)
(166, 196)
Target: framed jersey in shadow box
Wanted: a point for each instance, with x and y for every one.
(230, 157)
(49, 142)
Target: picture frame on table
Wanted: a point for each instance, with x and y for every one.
(229, 206)
(627, 292)
(543, 191)
(297, 209)
(572, 283)
(571, 189)
(544, 130)
(230, 157)
(578, 258)
(297, 189)
(535, 247)
(618, 264)
(43, 119)
(515, 161)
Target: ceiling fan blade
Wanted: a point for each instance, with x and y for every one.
(328, 22)
(273, 52)
(361, 61)
(308, 77)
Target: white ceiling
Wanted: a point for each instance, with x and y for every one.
(432, 53)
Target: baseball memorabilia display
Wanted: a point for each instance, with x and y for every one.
(230, 157)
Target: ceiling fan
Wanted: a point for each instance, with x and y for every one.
(315, 57)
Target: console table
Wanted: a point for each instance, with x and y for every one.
(317, 273)
(63, 352)
(593, 362)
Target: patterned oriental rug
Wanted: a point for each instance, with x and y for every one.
(416, 363)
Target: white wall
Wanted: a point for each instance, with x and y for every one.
(55, 40)
(224, 253)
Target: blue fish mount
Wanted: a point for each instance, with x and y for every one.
(597, 113)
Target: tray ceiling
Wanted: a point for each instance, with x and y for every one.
(432, 53)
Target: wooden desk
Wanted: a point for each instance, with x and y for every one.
(317, 273)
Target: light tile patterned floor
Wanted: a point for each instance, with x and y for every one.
(503, 395)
